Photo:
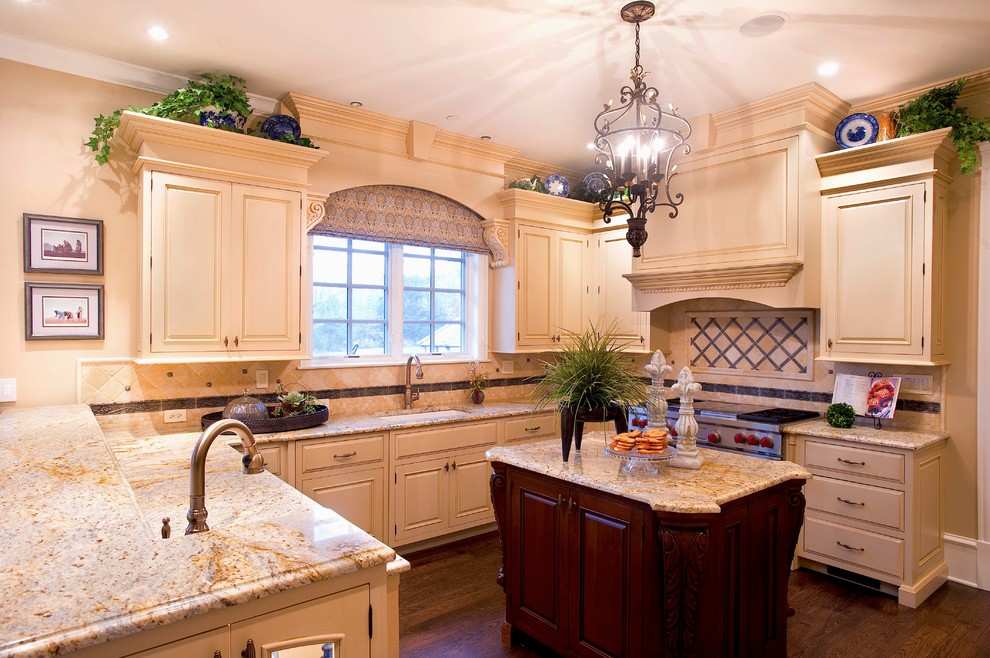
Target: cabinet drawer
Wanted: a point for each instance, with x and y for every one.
(855, 461)
(856, 501)
(438, 439)
(320, 455)
(858, 547)
(529, 427)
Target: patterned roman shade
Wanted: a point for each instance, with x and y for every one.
(407, 215)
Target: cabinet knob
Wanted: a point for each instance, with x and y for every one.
(572, 503)
(248, 650)
(236, 341)
(560, 500)
(225, 341)
(829, 343)
(454, 466)
(446, 467)
(217, 654)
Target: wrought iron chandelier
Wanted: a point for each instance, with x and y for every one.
(635, 143)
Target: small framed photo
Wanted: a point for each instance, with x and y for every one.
(55, 311)
(62, 245)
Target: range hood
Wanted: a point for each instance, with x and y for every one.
(749, 227)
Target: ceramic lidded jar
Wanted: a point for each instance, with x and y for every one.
(246, 408)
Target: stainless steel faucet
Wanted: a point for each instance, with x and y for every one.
(253, 462)
(412, 396)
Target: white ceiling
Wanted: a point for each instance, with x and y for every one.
(531, 74)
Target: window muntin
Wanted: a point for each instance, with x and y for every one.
(372, 299)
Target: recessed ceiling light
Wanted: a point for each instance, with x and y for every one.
(762, 26)
(157, 32)
(357, 104)
(828, 69)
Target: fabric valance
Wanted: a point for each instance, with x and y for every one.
(407, 215)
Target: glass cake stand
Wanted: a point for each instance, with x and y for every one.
(632, 462)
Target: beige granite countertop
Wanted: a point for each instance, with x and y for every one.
(340, 425)
(723, 476)
(81, 555)
(864, 432)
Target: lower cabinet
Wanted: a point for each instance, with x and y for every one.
(205, 644)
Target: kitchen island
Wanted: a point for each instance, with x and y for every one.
(684, 563)
(84, 567)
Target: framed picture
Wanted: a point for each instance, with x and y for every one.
(61, 245)
(55, 311)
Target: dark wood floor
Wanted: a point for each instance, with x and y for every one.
(450, 605)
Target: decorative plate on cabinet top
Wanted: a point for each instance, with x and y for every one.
(857, 130)
(596, 182)
(281, 124)
(557, 185)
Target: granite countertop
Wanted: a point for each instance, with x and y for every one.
(864, 432)
(342, 425)
(81, 555)
(723, 476)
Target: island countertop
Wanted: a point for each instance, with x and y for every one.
(723, 477)
(83, 561)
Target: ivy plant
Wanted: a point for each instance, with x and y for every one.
(937, 109)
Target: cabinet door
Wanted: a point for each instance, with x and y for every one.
(615, 292)
(570, 266)
(341, 618)
(605, 540)
(874, 255)
(420, 500)
(535, 287)
(357, 495)
(190, 228)
(470, 495)
(536, 569)
(264, 266)
(204, 644)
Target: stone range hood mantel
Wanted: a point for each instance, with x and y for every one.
(750, 224)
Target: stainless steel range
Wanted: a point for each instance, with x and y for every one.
(745, 428)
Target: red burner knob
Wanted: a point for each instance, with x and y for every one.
(752, 440)
(713, 437)
(739, 437)
(766, 442)
(673, 432)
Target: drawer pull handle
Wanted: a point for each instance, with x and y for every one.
(851, 548)
(345, 455)
(849, 502)
(533, 429)
(850, 462)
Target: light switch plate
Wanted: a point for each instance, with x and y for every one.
(8, 390)
(508, 367)
(261, 379)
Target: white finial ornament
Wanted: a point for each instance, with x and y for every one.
(688, 455)
(656, 405)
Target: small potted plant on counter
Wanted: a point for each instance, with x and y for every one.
(590, 380)
(478, 381)
(292, 403)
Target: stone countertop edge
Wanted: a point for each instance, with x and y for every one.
(722, 478)
(864, 432)
(342, 425)
(81, 557)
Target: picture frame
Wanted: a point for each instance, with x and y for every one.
(63, 245)
(57, 311)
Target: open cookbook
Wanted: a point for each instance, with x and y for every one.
(869, 396)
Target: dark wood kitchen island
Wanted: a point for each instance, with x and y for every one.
(684, 563)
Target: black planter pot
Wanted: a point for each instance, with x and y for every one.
(572, 422)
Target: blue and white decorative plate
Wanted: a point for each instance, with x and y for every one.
(596, 182)
(857, 130)
(280, 124)
(557, 185)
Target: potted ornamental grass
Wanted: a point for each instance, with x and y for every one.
(589, 380)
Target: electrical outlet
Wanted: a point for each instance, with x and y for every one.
(8, 390)
(925, 384)
(175, 415)
(261, 379)
(508, 367)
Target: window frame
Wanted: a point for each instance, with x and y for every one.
(476, 314)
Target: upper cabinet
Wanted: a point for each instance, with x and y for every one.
(613, 257)
(883, 249)
(222, 241)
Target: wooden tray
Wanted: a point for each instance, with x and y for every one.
(276, 423)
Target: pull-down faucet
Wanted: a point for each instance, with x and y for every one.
(412, 396)
(253, 462)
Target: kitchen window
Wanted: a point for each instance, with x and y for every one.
(380, 302)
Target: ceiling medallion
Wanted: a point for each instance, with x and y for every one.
(635, 142)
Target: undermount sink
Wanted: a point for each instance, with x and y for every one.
(435, 413)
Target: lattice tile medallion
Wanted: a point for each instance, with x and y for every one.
(771, 343)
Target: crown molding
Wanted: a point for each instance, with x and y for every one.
(104, 69)
(977, 83)
(932, 150)
(556, 211)
(770, 275)
(810, 105)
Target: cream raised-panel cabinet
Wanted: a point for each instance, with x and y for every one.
(225, 266)
(222, 240)
(615, 292)
(552, 285)
(883, 243)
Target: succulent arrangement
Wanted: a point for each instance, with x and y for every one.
(292, 403)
